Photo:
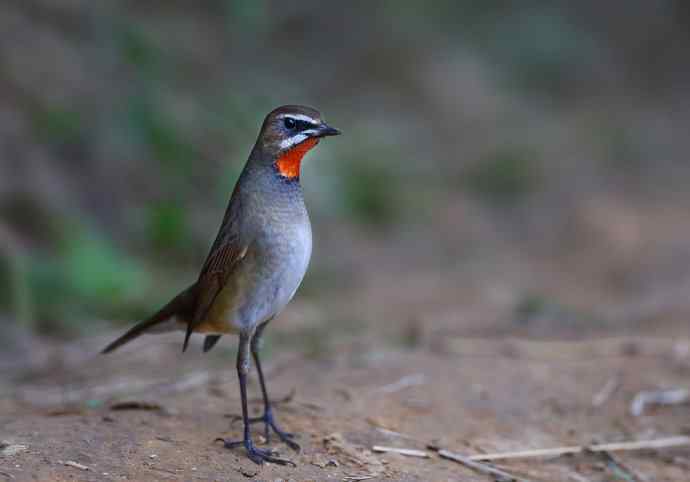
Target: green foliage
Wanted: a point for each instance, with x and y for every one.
(89, 277)
(138, 51)
(148, 122)
(58, 124)
(622, 149)
(536, 46)
(542, 49)
(16, 294)
(505, 176)
(247, 15)
(369, 194)
(167, 226)
(152, 128)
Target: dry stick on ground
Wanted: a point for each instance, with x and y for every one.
(502, 476)
(405, 382)
(661, 443)
(355, 477)
(76, 465)
(499, 475)
(409, 452)
(393, 433)
(606, 392)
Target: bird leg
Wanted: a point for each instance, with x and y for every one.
(255, 454)
(267, 418)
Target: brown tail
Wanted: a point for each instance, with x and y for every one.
(181, 305)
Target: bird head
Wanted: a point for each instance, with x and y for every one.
(288, 133)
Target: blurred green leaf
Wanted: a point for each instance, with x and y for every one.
(247, 15)
(167, 226)
(369, 194)
(57, 124)
(96, 271)
(175, 155)
(138, 51)
(542, 48)
(88, 278)
(505, 176)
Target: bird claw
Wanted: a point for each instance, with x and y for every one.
(270, 423)
(256, 455)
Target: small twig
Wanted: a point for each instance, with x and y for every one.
(355, 477)
(678, 441)
(606, 392)
(658, 397)
(76, 465)
(409, 452)
(499, 475)
(161, 469)
(403, 383)
(165, 438)
(393, 433)
(135, 405)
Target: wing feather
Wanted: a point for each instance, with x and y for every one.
(227, 251)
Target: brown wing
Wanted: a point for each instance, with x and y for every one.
(228, 249)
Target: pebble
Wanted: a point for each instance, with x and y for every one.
(8, 448)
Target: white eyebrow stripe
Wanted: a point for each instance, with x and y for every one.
(294, 140)
(301, 117)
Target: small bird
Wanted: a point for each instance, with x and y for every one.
(257, 262)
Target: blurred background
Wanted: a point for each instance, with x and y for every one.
(506, 168)
(501, 236)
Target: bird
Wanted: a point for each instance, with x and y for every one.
(256, 263)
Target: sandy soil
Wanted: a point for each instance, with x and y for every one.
(469, 396)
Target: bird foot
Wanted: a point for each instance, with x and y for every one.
(270, 423)
(256, 455)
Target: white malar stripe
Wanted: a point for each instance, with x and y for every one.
(292, 141)
(300, 117)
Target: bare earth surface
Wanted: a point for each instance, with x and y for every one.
(468, 396)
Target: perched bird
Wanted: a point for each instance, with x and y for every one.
(257, 261)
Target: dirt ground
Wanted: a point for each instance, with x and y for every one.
(465, 395)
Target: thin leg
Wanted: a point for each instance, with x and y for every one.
(255, 454)
(267, 418)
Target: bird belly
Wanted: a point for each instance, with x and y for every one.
(294, 266)
(283, 266)
(262, 287)
(271, 297)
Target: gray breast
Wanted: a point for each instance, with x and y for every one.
(282, 244)
(282, 264)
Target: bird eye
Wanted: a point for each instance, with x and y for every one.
(290, 123)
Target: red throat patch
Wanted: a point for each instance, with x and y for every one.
(289, 163)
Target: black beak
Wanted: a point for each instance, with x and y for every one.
(325, 130)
